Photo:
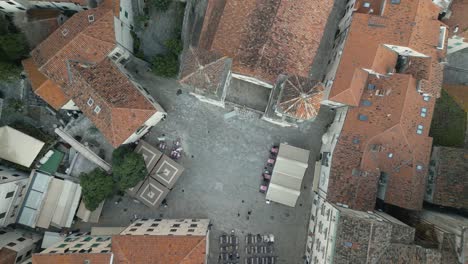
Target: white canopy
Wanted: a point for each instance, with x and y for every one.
(288, 172)
(17, 147)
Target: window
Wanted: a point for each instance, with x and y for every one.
(2, 215)
(97, 109)
(95, 245)
(78, 245)
(11, 3)
(2, 232)
(395, 2)
(20, 8)
(419, 131)
(53, 251)
(426, 98)
(91, 18)
(64, 32)
(173, 230)
(363, 117)
(126, 14)
(419, 167)
(10, 194)
(140, 129)
(18, 259)
(149, 230)
(423, 112)
(154, 225)
(366, 103)
(62, 245)
(380, 92)
(133, 229)
(88, 239)
(29, 253)
(193, 225)
(191, 230)
(390, 155)
(176, 225)
(11, 244)
(138, 224)
(21, 239)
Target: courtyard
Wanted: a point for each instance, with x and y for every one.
(223, 158)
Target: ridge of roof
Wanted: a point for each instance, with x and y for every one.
(74, 18)
(189, 254)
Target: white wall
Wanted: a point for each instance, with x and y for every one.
(405, 51)
(123, 35)
(23, 248)
(322, 231)
(329, 140)
(251, 80)
(11, 181)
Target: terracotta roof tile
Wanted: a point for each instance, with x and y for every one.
(451, 179)
(159, 249)
(94, 258)
(410, 24)
(300, 97)
(204, 71)
(458, 18)
(123, 108)
(266, 38)
(43, 87)
(385, 140)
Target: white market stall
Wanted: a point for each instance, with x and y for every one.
(288, 172)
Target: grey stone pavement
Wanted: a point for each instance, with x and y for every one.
(224, 159)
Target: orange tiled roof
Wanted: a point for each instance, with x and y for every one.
(300, 97)
(77, 39)
(410, 24)
(458, 18)
(159, 249)
(78, 258)
(43, 87)
(123, 109)
(385, 141)
(7, 256)
(266, 38)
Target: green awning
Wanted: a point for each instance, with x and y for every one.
(52, 164)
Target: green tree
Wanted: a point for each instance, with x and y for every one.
(9, 71)
(161, 5)
(14, 47)
(128, 167)
(174, 45)
(96, 187)
(166, 65)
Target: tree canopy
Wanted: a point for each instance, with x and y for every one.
(128, 167)
(96, 187)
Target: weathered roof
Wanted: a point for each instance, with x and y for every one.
(451, 177)
(410, 24)
(159, 249)
(122, 108)
(93, 258)
(17, 147)
(300, 97)
(459, 10)
(7, 256)
(43, 87)
(79, 38)
(204, 71)
(380, 136)
(266, 38)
